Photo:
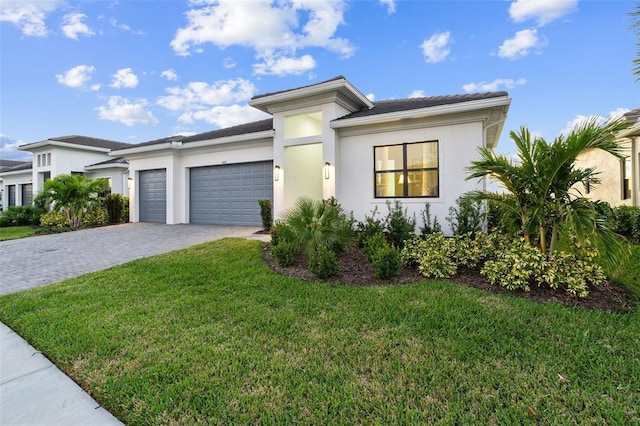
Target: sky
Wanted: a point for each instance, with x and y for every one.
(138, 70)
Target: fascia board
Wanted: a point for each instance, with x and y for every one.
(28, 172)
(31, 146)
(422, 112)
(107, 166)
(631, 131)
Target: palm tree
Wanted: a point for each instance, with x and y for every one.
(543, 195)
(71, 195)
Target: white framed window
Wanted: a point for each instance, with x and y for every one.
(407, 170)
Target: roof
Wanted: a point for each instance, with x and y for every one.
(6, 164)
(241, 129)
(77, 140)
(264, 95)
(16, 167)
(114, 161)
(395, 105)
(633, 116)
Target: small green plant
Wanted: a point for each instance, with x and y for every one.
(20, 216)
(398, 223)
(626, 221)
(53, 220)
(125, 210)
(284, 253)
(266, 213)
(429, 226)
(369, 227)
(96, 215)
(386, 261)
(467, 217)
(114, 204)
(516, 267)
(323, 262)
(371, 245)
(433, 254)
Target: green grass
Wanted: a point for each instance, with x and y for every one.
(13, 232)
(210, 335)
(630, 275)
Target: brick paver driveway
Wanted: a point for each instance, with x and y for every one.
(40, 260)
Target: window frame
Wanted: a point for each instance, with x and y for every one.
(405, 170)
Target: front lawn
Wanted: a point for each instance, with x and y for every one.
(13, 232)
(211, 335)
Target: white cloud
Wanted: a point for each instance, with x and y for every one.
(371, 97)
(225, 116)
(520, 45)
(200, 95)
(276, 29)
(417, 94)
(580, 120)
(124, 78)
(77, 77)
(73, 26)
(284, 66)
(542, 11)
(9, 149)
(229, 63)
(436, 48)
(391, 5)
(169, 75)
(28, 15)
(114, 22)
(127, 112)
(495, 85)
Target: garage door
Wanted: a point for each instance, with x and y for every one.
(152, 190)
(229, 194)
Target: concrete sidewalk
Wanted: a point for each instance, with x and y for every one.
(33, 391)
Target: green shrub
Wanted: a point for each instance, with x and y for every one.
(386, 261)
(413, 250)
(371, 245)
(21, 216)
(429, 226)
(96, 215)
(398, 223)
(468, 217)
(626, 221)
(315, 224)
(323, 262)
(433, 254)
(284, 253)
(266, 213)
(114, 205)
(471, 251)
(369, 227)
(517, 267)
(124, 218)
(53, 220)
(568, 271)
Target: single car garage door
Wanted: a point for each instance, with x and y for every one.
(229, 194)
(152, 190)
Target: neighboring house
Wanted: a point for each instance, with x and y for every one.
(64, 155)
(323, 140)
(619, 178)
(15, 183)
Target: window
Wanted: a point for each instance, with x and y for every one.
(27, 194)
(408, 170)
(12, 195)
(626, 178)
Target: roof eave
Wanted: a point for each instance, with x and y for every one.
(630, 132)
(106, 166)
(31, 146)
(16, 172)
(459, 107)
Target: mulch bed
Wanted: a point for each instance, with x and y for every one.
(356, 271)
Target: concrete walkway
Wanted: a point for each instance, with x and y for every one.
(33, 391)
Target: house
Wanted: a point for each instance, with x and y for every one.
(63, 155)
(323, 140)
(619, 178)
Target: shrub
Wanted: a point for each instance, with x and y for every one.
(96, 215)
(386, 261)
(472, 251)
(323, 262)
(567, 270)
(433, 254)
(124, 218)
(369, 227)
(318, 223)
(429, 226)
(516, 267)
(398, 223)
(284, 253)
(626, 221)
(266, 214)
(53, 220)
(468, 217)
(21, 216)
(114, 205)
(371, 245)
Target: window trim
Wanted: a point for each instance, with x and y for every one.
(405, 170)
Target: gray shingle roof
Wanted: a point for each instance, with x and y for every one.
(14, 166)
(633, 116)
(117, 160)
(86, 141)
(395, 105)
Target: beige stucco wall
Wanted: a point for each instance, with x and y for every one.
(609, 171)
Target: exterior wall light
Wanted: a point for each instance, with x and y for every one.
(276, 173)
(129, 183)
(327, 169)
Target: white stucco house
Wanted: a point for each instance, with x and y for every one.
(322, 140)
(63, 155)
(619, 177)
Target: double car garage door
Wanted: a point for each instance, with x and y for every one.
(221, 195)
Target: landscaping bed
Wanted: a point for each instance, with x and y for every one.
(356, 271)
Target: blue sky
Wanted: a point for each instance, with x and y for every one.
(134, 71)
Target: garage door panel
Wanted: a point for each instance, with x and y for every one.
(152, 195)
(228, 194)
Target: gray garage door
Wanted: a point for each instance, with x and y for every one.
(229, 194)
(152, 190)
